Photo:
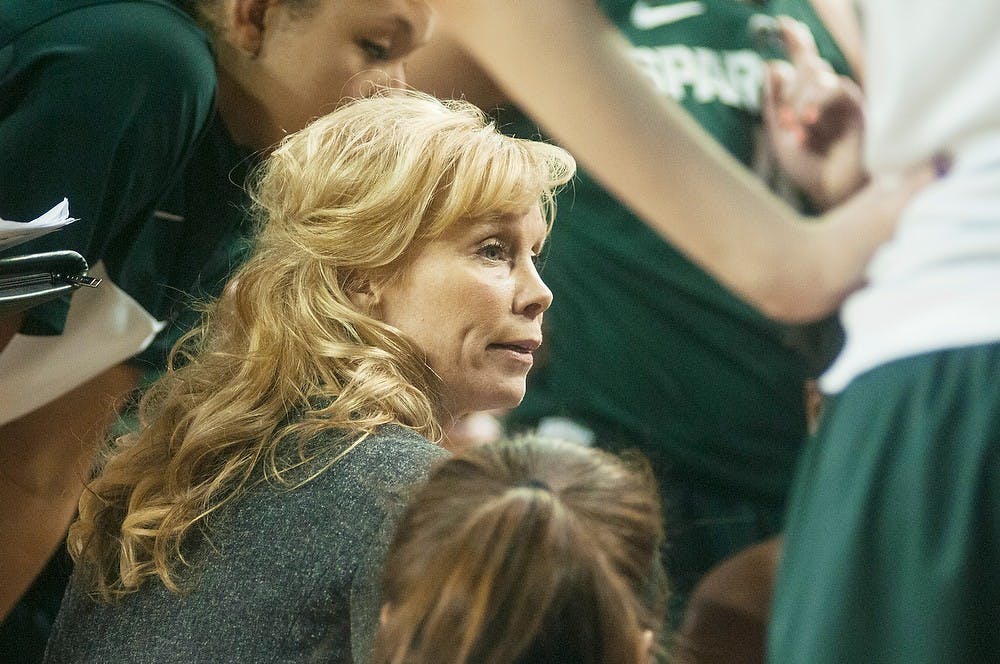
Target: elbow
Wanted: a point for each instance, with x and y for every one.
(790, 312)
(797, 304)
(802, 287)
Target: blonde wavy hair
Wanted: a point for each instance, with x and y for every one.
(285, 353)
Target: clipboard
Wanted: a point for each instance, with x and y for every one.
(31, 279)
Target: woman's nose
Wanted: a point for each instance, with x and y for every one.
(534, 297)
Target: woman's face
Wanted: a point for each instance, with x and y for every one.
(472, 300)
(312, 58)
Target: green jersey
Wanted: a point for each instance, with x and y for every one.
(641, 345)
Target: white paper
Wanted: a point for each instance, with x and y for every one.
(14, 232)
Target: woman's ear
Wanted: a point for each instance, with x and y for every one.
(364, 296)
(385, 614)
(645, 645)
(245, 22)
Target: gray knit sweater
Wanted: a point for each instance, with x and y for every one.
(287, 575)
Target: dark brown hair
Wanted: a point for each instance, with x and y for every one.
(530, 550)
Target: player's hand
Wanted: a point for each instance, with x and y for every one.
(814, 119)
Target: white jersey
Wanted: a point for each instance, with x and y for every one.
(933, 86)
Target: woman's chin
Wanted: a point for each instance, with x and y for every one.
(510, 400)
(496, 401)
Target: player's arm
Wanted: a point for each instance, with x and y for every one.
(565, 64)
(444, 68)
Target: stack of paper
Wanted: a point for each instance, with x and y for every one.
(14, 232)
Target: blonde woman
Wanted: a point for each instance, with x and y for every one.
(391, 290)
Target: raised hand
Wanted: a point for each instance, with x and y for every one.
(814, 119)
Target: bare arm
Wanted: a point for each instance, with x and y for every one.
(45, 458)
(655, 158)
(445, 69)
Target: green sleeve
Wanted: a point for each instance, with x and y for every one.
(101, 105)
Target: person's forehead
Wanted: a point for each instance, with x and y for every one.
(526, 221)
(413, 17)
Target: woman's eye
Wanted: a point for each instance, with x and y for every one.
(374, 49)
(494, 251)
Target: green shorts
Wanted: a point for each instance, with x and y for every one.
(892, 549)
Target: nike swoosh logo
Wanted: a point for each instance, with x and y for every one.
(646, 17)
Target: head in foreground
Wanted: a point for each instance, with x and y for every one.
(392, 281)
(526, 551)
